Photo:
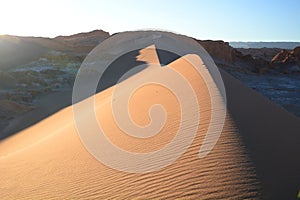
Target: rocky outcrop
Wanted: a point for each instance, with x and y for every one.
(221, 51)
(225, 55)
(287, 61)
(296, 54)
(283, 57)
(262, 53)
(84, 40)
(252, 63)
(286, 57)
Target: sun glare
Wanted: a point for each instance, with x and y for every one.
(27, 18)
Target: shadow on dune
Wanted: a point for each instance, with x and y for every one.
(128, 62)
(271, 136)
(49, 104)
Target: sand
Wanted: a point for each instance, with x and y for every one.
(255, 156)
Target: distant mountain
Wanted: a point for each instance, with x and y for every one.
(16, 50)
(281, 45)
(84, 41)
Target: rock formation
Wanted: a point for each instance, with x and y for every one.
(84, 40)
(221, 51)
(287, 61)
(285, 57)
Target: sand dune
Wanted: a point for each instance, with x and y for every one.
(251, 159)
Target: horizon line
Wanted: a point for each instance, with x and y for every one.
(110, 34)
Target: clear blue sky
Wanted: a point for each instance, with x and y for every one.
(231, 20)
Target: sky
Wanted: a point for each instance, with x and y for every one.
(228, 20)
